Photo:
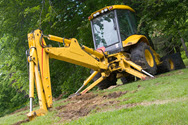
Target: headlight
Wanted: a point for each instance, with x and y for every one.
(94, 15)
(97, 13)
(105, 9)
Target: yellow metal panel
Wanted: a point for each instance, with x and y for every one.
(125, 66)
(94, 52)
(46, 80)
(133, 39)
(113, 7)
(40, 93)
(74, 54)
(125, 7)
(135, 73)
(139, 68)
(31, 42)
(43, 59)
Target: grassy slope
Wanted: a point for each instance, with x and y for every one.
(171, 113)
(169, 95)
(162, 100)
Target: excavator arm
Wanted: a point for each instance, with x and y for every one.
(39, 54)
(72, 52)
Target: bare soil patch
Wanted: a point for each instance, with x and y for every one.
(20, 122)
(80, 106)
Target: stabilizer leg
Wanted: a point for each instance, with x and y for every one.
(42, 101)
(134, 72)
(93, 84)
(84, 84)
(87, 81)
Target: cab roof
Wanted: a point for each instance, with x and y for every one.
(109, 8)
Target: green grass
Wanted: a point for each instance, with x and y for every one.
(10, 119)
(48, 119)
(170, 88)
(164, 87)
(164, 114)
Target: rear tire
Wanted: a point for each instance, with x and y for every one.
(171, 62)
(166, 66)
(177, 60)
(142, 55)
(109, 81)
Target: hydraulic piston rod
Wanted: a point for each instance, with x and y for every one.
(147, 73)
(31, 104)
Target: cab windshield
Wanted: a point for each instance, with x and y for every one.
(127, 23)
(105, 30)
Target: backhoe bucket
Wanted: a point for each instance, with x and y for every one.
(33, 114)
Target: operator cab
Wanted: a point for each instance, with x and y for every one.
(112, 25)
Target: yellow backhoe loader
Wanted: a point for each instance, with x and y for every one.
(119, 53)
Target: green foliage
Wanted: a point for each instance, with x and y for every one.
(72, 79)
(185, 62)
(162, 21)
(183, 55)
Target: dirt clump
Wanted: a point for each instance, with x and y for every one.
(86, 96)
(20, 122)
(58, 98)
(114, 95)
(60, 107)
(134, 91)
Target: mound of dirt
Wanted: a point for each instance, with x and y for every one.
(80, 106)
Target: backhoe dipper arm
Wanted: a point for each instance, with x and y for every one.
(39, 65)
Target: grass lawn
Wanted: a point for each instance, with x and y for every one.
(162, 100)
(161, 114)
